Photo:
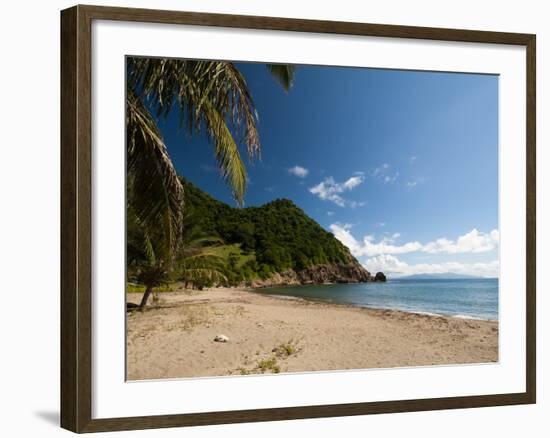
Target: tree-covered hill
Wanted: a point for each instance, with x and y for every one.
(259, 243)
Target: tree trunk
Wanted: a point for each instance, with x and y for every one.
(148, 291)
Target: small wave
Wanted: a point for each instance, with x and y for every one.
(477, 318)
(285, 297)
(426, 313)
(418, 312)
(449, 315)
(400, 309)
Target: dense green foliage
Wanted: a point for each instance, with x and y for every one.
(210, 96)
(259, 241)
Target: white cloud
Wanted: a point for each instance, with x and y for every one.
(353, 182)
(472, 242)
(392, 266)
(381, 170)
(341, 232)
(411, 184)
(330, 213)
(387, 264)
(330, 190)
(385, 174)
(299, 171)
(355, 204)
(412, 159)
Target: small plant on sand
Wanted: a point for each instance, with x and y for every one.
(193, 316)
(286, 350)
(243, 371)
(268, 365)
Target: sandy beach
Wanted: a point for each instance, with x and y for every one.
(269, 334)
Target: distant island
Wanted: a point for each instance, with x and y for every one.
(275, 244)
(442, 276)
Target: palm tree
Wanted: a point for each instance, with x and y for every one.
(197, 260)
(210, 96)
(200, 266)
(148, 257)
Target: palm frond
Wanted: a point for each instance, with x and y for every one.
(196, 274)
(201, 259)
(227, 153)
(200, 242)
(211, 96)
(155, 192)
(283, 73)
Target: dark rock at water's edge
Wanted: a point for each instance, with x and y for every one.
(380, 277)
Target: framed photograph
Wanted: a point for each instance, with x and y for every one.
(269, 219)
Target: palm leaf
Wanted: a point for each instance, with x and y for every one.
(154, 191)
(283, 73)
(211, 96)
(195, 274)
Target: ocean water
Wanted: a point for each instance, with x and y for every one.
(463, 298)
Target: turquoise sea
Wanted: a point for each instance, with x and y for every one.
(477, 298)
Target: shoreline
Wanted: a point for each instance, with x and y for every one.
(271, 334)
(359, 306)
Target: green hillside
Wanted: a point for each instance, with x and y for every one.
(256, 242)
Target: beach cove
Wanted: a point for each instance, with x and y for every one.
(282, 334)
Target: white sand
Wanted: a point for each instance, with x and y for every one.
(269, 334)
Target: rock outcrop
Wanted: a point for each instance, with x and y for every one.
(351, 272)
(334, 273)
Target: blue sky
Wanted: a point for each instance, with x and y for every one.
(402, 166)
